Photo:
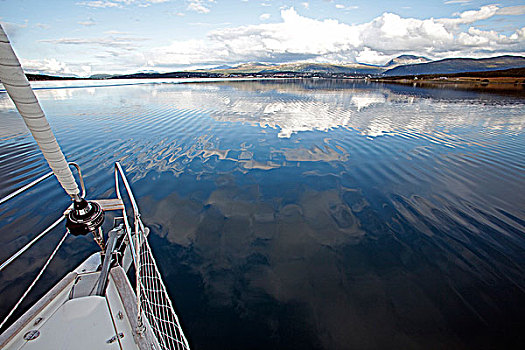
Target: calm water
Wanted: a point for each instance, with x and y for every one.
(297, 214)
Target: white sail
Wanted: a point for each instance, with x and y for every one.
(15, 82)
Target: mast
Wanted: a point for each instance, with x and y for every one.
(17, 86)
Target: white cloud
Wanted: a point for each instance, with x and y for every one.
(468, 17)
(116, 32)
(339, 6)
(89, 22)
(264, 16)
(512, 10)
(188, 52)
(98, 4)
(298, 38)
(42, 26)
(371, 57)
(305, 5)
(489, 40)
(128, 43)
(462, 2)
(198, 6)
(55, 67)
(119, 3)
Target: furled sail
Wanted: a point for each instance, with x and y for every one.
(17, 86)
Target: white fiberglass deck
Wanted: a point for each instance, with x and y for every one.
(69, 316)
(87, 311)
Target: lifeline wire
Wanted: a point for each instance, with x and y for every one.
(35, 280)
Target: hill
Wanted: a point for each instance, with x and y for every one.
(40, 77)
(504, 73)
(459, 65)
(406, 59)
(356, 68)
(326, 68)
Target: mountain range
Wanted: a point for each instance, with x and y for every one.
(326, 68)
(404, 65)
(458, 65)
(399, 66)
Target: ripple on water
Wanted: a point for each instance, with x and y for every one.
(327, 214)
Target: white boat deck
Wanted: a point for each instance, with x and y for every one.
(69, 316)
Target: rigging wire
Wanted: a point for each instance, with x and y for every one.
(33, 241)
(35, 280)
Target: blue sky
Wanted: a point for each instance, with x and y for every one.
(85, 37)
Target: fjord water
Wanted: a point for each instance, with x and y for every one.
(302, 214)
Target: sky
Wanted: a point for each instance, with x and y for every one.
(85, 37)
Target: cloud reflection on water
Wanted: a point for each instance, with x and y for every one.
(373, 216)
(298, 106)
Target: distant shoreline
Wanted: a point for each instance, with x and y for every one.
(191, 75)
(514, 76)
(504, 81)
